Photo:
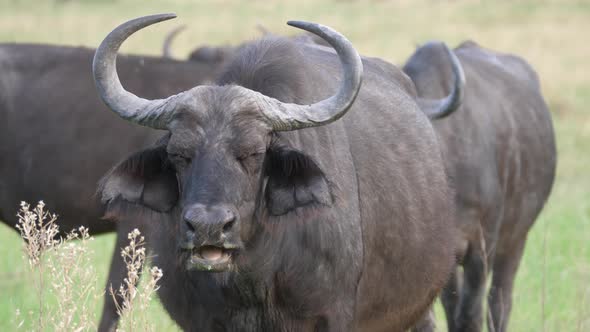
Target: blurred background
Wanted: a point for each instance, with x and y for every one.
(552, 291)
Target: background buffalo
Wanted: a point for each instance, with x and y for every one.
(551, 289)
(499, 149)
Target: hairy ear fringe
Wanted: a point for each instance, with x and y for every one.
(119, 209)
(146, 178)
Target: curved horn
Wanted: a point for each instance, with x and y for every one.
(440, 108)
(166, 52)
(151, 113)
(286, 116)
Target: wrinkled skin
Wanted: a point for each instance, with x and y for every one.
(342, 227)
(57, 138)
(499, 149)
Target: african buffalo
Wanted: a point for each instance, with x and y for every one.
(499, 149)
(57, 139)
(265, 212)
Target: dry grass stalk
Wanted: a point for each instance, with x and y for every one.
(71, 277)
(38, 229)
(134, 300)
(73, 283)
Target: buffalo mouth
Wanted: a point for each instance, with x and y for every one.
(211, 259)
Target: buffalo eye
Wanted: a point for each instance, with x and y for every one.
(251, 162)
(179, 161)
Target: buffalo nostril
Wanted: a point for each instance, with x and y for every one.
(190, 226)
(229, 225)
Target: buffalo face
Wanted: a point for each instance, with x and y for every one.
(217, 174)
(217, 155)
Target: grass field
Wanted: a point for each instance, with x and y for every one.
(553, 286)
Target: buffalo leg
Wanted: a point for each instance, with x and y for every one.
(450, 298)
(500, 296)
(469, 314)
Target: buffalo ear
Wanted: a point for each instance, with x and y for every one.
(294, 180)
(145, 178)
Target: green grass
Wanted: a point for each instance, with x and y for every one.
(553, 285)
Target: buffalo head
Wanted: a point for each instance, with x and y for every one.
(221, 158)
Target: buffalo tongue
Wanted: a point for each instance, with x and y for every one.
(211, 253)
